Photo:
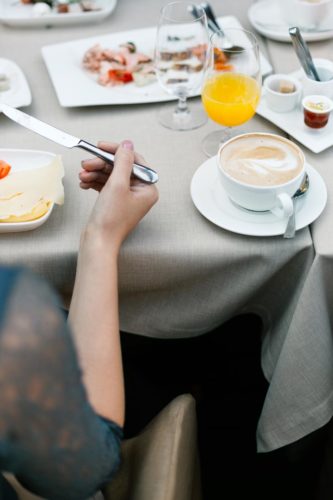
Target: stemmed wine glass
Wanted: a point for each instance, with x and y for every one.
(232, 86)
(180, 61)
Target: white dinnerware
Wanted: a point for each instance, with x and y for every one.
(76, 87)
(265, 16)
(325, 85)
(251, 190)
(13, 13)
(213, 203)
(18, 93)
(293, 123)
(305, 13)
(26, 159)
(279, 100)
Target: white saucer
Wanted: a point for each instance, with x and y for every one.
(265, 17)
(211, 200)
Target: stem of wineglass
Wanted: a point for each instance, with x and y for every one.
(182, 107)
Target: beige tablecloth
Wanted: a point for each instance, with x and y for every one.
(180, 275)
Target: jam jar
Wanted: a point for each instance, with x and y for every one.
(316, 109)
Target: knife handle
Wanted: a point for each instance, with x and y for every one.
(142, 172)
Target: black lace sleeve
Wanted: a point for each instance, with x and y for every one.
(50, 437)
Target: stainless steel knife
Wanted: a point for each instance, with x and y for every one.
(142, 172)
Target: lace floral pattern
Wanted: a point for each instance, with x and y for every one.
(50, 437)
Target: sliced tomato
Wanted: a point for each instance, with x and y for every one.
(120, 75)
(220, 56)
(4, 169)
(223, 67)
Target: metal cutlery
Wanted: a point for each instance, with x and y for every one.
(291, 223)
(142, 172)
(215, 28)
(303, 53)
(210, 14)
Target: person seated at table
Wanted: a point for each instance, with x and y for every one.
(60, 433)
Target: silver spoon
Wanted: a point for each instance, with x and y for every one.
(303, 53)
(291, 223)
(214, 26)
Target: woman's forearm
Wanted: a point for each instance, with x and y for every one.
(122, 202)
(94, 320)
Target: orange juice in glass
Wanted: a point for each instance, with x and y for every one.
(232, 86)
(231, 99)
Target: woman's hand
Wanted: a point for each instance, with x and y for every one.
(95, 172)
(123, 200)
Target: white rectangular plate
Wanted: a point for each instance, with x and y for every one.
(19, 15)
(74, 86)
(316, 140)
(23, 159)
(18, 93)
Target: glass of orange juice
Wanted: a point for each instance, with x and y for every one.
(232, 86)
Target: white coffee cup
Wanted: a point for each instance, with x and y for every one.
(308, 14)
(279, 101)
(325, 85)
(261, 172)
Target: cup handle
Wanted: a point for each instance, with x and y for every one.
(285, 207)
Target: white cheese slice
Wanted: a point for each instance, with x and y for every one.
(21, 191)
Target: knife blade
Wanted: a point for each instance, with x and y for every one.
(54, 134)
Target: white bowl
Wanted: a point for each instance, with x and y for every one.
(25, 159)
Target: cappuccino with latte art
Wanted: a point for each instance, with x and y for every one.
(261, 171)
(262, 160)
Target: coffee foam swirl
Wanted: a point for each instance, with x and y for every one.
(261, 161)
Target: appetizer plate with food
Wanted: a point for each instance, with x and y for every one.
(30, 185)
(14, 88)
(45, 13)
(114, 68)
